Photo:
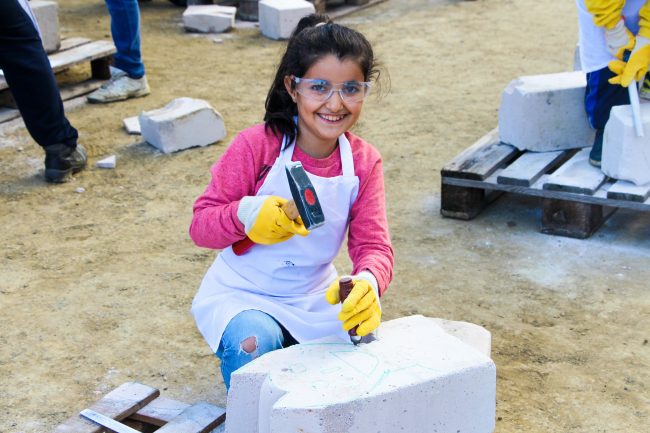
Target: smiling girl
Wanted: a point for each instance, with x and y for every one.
(284, 290)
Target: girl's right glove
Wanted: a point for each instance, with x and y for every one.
(265, 222)
(361, 308)
(636, 66)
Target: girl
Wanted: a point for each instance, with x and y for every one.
(285, 288)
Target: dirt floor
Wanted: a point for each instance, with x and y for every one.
(96, 286)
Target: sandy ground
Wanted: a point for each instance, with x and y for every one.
(96, 286)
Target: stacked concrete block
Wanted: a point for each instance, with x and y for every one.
(626, 156)
(209, 18)
(415, 378)
(278, 18)
(181, 124)
(47, 17)
(545, 113)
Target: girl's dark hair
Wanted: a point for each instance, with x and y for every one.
(315, 36)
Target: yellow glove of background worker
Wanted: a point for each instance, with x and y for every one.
(619, 39)
(636, 66)
(265, 222)
(607, 13)
(361, 308)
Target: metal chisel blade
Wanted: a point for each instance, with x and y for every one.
(107, 422)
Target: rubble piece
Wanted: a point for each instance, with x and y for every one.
(132, 125)
(108, 162)
(46, 13)
(278, 18)
(181, 124)
(626, 156)
(415, 377)
(209, 18)
(545, 113)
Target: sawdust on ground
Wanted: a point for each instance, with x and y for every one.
(96, 286)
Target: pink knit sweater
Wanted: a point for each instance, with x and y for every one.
(241, 170)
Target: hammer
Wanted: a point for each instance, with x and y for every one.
(305, 204)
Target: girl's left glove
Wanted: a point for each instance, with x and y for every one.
(361, 308)
(636, 66)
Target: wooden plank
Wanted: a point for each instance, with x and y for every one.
(464, 203)
(201, 417)
(623, 190)
(74, 90)
(118, 404)
(530, 166)
(68, 43)
(481, 159)
(81, 54)
(160, 411)
(7, 114)
(576, 175)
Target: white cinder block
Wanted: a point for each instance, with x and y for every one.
(278, 18)
(47, 17)
(415, 378)
(626, 156)
(181, 124)
(209, 18)
(545, 112)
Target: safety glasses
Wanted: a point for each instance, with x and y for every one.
(322, 90)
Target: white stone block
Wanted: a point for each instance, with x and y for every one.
(108, 162)
(473, 335)
(181, 124)
(209, 18)
(414, 378)
(47, 17)
(545, 112)
(626, 156)
(278, 18)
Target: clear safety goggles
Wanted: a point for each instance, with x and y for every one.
(322, 90)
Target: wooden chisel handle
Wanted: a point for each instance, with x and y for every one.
(240, 247)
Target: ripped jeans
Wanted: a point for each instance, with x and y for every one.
(249, 335)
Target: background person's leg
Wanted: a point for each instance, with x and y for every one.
(125, 29)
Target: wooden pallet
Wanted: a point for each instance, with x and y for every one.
(576, 197)
(141, 407)
(73, 51)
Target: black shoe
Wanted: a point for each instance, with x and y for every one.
(62, 161)
(596, 153)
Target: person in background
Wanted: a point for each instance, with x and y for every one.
(31, 81)
(128, 79)
(285, 288)
(614, 52)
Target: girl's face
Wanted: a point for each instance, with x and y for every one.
(321, 122)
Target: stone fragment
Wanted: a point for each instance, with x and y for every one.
(181, 124)
(209, 18)
(278, 18)
(132, 125)
(47, 17)
(626, 156)
(108, 162)
(414, 378)
(545, 112)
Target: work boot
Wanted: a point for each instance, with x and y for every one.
(62, 161)
(119, 88)
(596, 153)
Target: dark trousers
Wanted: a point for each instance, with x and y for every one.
(600, 97)
(30, 78)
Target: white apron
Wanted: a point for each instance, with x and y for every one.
(287, 280)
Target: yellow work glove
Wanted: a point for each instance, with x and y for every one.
(265, 222)
(619, 39)
(606, 13)
(636, 66)
(361, 308)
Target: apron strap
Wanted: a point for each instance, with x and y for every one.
(345, 149)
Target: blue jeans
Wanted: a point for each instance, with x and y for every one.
(249, 335)
(125, 28)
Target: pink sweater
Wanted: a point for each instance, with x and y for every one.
(241, 170)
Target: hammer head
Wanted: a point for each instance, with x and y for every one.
(304, 195)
